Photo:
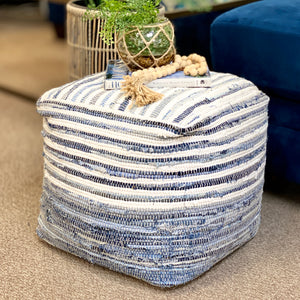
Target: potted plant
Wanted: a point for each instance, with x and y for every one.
(143, 37)
(88, 53)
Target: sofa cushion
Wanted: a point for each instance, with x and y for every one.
(261, 42)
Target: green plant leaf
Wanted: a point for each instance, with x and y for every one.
(121, 15)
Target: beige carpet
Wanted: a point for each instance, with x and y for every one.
(32, 59)
(268, 267)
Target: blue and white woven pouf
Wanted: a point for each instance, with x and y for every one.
(161, 192)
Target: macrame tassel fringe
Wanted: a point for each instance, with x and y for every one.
(134, 85)
(140, 94)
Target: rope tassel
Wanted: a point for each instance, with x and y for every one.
(139, 93)
(134, 85)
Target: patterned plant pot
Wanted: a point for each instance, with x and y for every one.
(148, 46)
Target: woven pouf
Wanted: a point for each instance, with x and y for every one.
(161, 192)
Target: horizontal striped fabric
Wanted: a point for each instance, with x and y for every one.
(161, 192)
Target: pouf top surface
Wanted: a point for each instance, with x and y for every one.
(179, 113)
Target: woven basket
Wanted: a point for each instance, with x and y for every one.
(88, 52)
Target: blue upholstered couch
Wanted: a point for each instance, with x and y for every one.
(261, 42)
(57, 16)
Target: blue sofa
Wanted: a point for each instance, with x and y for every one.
(193, 33)
(57, 16)
(261, 42)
